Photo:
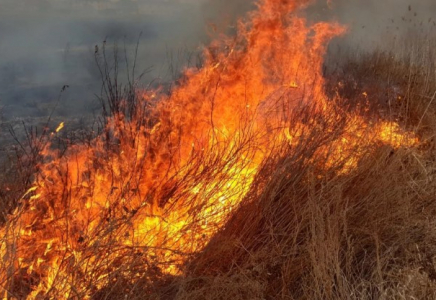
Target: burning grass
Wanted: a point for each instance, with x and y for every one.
(253, 178)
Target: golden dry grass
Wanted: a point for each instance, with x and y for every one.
(305, 231)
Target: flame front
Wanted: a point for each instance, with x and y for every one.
(141, 202)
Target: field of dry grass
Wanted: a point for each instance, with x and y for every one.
(313, 223)
(304, 233)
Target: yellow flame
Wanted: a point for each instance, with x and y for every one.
(60, 127)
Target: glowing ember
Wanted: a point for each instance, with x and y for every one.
(155, 193)
(60, 127)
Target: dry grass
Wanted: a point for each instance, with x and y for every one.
(305, 231)
(361, 236)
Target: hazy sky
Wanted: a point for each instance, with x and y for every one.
(45, 44)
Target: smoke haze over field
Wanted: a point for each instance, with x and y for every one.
(46, 44)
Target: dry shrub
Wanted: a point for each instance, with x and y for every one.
(306, 229)
(306, 233)
(340, 237)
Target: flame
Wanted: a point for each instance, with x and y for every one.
(152, 195)
(60, 127)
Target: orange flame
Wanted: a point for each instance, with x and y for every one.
(168, 178)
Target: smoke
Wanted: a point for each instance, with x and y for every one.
(225, 13)
(378, 24)
(46, 44)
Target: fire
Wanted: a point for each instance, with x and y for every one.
(140, 203)
(60, 127)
